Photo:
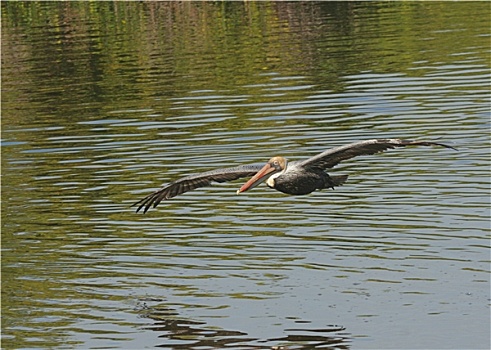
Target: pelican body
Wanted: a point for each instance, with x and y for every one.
(292, 178)
(295, 178)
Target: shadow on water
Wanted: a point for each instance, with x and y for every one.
(183, 333)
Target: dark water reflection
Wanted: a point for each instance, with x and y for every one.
(184, 334)
(103, 102)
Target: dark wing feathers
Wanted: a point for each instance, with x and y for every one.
(334, 156)
(324, 160)
(192, 182)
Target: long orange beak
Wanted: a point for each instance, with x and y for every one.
(260, 177)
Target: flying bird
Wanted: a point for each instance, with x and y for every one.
(295, 178)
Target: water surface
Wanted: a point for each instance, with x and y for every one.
(104, 102)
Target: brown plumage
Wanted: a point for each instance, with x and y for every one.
(297, 177)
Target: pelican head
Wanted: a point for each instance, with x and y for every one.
(274, 166)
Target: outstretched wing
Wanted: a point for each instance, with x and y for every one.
(334, 156)
(192, 182)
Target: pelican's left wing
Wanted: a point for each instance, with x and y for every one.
(192, 182)
(334, 156)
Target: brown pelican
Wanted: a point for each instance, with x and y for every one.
(297, 177)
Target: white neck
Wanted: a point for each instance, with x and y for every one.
(270, 180)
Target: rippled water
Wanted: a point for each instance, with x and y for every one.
(95, 117)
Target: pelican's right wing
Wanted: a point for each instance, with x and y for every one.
(192, 182)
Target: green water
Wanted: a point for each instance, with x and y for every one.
(102, 102)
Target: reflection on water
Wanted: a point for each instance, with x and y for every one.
(181, 333)
(104, 102)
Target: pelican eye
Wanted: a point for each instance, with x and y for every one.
(276, 164)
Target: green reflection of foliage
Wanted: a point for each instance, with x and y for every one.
(177, 48)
